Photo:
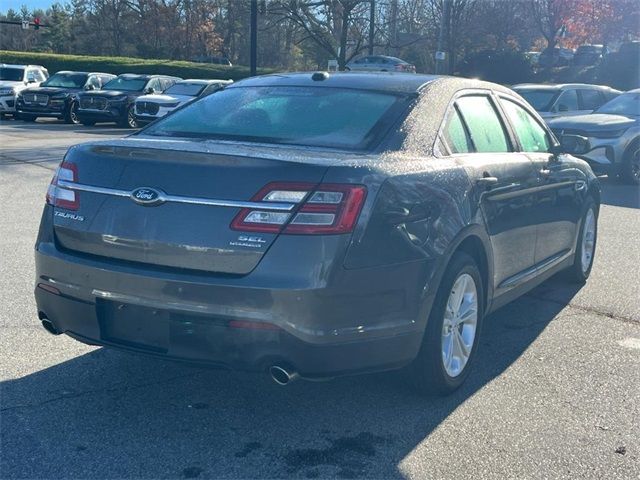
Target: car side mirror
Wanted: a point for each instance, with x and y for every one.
(149, 90)
(556, 149)
(574, 144)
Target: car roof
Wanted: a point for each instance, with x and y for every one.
(203, 81)
(75, 72)
(561, 86)
(389, 82)
(9, 65)
(380, 81)
(144, 75)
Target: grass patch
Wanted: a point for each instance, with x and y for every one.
(55, 62)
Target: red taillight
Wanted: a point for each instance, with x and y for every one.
(322, 209)
(63, 197)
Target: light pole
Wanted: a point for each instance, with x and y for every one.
(253, 54)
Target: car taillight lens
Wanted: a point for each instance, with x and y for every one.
(63, 197)
(322, 209)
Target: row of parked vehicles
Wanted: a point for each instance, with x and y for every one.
(595, 122)
(583, 56)
(129, 100)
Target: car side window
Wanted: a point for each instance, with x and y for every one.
(568, 101)
(93, 80)
(31, 75)
(591, 99)
(485, 127)
(455, 134)
(533, 137)
(155, 84)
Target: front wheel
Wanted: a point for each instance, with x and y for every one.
(451, 338)
(630, 171)
(71, 115)
(586, 245)
(129, 121)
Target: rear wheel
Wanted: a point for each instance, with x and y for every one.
(630, 171)
(451, 337)
(586, 245)
(71, 115)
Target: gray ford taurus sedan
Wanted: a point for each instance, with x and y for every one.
(315, 225)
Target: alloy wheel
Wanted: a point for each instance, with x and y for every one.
(460, 324)
(588, 240)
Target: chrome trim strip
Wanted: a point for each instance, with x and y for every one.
(284, 207)
(535, 269)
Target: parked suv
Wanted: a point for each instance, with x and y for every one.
(567, 99)
(609, 138)
(116, 101)
(14, 79)
(57, 96)
(154, 106)
(315, 225)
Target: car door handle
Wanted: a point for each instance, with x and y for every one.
(487, 181)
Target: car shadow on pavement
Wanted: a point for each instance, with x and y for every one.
(618, 195)
(108, 414)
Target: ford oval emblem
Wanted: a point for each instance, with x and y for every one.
(148, 197)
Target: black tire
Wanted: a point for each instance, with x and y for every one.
(129, 120)
(27, 118)
(630, 168)
(579, 272)
(427, 372)
(71, 114)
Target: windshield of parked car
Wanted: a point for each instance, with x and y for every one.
(191, 89)
(625, 104)
(541, 100)
(313, 116)
(129, 84)
(11, 74)
(66, 80)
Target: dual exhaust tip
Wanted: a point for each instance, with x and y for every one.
(48, 325)
(283, 375)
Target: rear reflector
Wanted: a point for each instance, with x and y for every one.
(49, 288)
(320, 209)
(248, 324)
(62, 197)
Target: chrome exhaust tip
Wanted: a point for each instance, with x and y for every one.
(282, 375)
(48, 326)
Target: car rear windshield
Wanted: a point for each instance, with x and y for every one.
(192, 89)
(541, 100)
(66, 80)
(625, 104)
(314, 116)
(11, 74)
(129, 84)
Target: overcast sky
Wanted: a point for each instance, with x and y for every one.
(31, 4)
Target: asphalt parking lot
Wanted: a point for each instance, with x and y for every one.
(555, 393)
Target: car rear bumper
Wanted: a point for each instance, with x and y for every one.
(317, 329)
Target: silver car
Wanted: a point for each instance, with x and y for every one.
(380, 63)
(552, 101)
(609, 139)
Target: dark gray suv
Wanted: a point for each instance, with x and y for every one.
(315, 226)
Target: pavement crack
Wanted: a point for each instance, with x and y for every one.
(98, 390)
(597, 311)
